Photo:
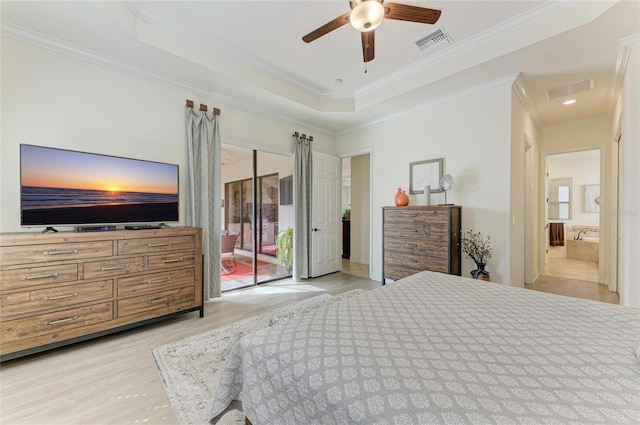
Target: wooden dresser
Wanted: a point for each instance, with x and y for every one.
(420, 238)
(60, 288)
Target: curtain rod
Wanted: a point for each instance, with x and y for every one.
(203, 107)
(303, 136)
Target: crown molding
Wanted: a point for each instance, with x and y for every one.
(150, 17)
(623, 51)
(507, 80)
(58, 46)
(527, 102)
(516, 23)
(472, 43)
(87, 55)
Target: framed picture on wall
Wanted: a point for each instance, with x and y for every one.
(423, 173)
(592, 198)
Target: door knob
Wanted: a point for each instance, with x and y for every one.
(315, 229)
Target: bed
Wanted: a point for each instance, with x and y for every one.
(437, 348)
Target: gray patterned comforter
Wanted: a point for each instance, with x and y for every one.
(436, 348)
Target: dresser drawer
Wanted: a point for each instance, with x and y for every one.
(424, 215)
(171, 261)
(32, 276)
(158, 303)
(51, 323)
(151, 245)
(136, 285)
(425, 246)
(399, 265)
(413, 230)
(54, 298)
(28, 254)
(113, 267)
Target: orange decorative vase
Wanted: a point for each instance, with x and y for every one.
(402, 199)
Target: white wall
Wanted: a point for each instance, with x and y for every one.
(472, 133)
(51, 99)
(628, 211)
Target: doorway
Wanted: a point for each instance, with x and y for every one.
(256, 208)
(356, 216)
(573, 211)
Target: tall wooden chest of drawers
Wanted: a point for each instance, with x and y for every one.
(420, 238)
(60, 288)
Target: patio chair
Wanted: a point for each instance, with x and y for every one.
(227, 246)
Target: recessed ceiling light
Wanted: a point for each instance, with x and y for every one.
(569, 102)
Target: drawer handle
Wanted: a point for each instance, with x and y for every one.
(107, 268)
(41, 276)
(413, 231)
(55, 322)
(411, 261)
(166, 279)
(69, 251)
(155, 245)
(175, 260)
(410, 245)
(60, 297)
(158, 300)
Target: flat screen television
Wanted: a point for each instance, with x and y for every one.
(69, 188)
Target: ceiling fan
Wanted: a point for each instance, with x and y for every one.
(366, 15)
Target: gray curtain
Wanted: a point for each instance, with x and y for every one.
(203, 191)
(302, 184)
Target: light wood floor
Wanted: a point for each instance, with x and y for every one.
(355, 269)
(572, 269)
(113, 379)
(574, 278)
(565, 276)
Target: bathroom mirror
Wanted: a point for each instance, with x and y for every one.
(560, 198)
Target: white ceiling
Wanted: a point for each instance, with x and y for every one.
(249, 54)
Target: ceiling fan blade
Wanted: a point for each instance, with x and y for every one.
(327, 28)
(405, 12)
(368, 45)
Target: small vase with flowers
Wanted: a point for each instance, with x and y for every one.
(478, 249)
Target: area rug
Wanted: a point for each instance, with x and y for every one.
(242, 269)
(190, 368)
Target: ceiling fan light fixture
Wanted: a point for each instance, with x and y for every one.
(367, 15)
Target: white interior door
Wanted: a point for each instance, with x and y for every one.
(326, 220)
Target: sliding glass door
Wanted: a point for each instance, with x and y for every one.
(239, 195)
(254, 212)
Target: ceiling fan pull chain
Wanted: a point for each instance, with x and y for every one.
(365, 67)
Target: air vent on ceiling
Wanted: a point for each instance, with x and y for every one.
(435, 40)
(568, 89)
